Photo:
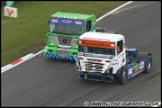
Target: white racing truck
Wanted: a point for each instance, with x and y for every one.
(103, 57)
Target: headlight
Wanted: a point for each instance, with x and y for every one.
(75, 46)
(52, 43)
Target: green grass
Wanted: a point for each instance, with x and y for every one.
(26, 33)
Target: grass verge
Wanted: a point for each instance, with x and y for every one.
(26, 34)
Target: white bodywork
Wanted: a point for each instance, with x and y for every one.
(100, 62)
(99, 36)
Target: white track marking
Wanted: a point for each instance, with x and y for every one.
(113, 10)
(31, 55)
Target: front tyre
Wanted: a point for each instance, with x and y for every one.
(123, 77)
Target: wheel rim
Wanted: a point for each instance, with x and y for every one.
(124, 75)
(149, 65)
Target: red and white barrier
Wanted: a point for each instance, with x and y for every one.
(16, 62)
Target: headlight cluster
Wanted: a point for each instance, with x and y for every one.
(52, 43)
(75, 46)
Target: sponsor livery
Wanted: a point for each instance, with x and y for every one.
(103, 56)
(67, 21)
(97, 44)
(64, 30)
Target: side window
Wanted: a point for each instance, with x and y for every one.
(119, 46)
(88, 25)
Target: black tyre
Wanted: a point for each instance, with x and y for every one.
(123, 77)
(148, 64)
(148, 57)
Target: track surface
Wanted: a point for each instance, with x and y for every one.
(44, 82)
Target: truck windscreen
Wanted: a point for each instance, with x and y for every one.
(66, 26)
(95, 50)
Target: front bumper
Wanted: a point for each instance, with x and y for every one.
(60, 53)
(96, 76)
(50, 55)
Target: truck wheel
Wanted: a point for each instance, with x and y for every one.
(123, 77)
(148, 64)
(147, 56)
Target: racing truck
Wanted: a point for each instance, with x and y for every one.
(63, 32)
(102, 56)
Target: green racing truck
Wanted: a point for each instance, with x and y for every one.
(63, 32)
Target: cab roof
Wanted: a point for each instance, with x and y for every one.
(72, 15)
(99, 36)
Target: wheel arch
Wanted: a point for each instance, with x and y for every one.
(145, 56)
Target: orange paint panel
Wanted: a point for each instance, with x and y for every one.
(98, 44)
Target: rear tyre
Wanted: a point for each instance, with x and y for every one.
(145, 56)
(148, 64)
(123, 77)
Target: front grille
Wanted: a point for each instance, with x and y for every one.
(64, 40)
(93, 66)
(94, 60)
(63, 53)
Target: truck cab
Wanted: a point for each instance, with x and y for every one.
(64, 29)
(101, 53)
(103, 56)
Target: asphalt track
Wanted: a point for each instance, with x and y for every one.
(44, 82)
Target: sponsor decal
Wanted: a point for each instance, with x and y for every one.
(130, 71)
(136, 68)
(97, 44)
(112, 45)
(85, 76)
(78, 22)
(142, 65)
(137, 73)
(54, 20)
(66, 21)
(114, 63)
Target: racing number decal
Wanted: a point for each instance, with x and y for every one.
(136, 68)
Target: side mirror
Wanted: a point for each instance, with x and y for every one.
(48, 21)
